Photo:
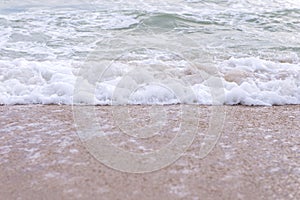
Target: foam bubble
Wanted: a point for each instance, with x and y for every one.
(247, 81)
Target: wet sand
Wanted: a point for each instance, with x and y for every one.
(256, 157)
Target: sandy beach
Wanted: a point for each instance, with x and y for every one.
(256, 157)
(150, 100)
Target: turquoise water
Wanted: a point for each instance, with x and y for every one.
(224, 28)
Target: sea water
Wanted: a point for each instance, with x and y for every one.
(150, 52)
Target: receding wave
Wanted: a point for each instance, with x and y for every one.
(252, 46)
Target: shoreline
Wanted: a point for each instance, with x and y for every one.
(200, 105)
(256, 157)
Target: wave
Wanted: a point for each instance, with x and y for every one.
(241, 52)
(246, 81)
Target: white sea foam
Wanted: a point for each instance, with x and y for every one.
(248, 81)
(252, 81)
(29, 82)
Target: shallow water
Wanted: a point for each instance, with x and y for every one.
(145, 52)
